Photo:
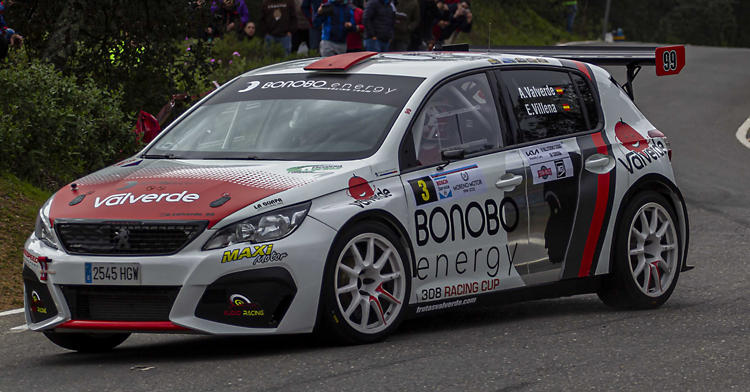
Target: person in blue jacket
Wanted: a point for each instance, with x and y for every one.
(8, 36)
(336, 24)
(309, 8)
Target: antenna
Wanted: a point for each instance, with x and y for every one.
(489, 35)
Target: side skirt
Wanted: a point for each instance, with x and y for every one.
(565, 288)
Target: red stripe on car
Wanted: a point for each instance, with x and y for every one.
(600, 209)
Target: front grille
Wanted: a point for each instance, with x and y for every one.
(126, 238)
(120, 303)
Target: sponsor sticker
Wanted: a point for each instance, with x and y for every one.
(129, 198)
(262, 254)
(386, 172)
(508, 61)
(129, 163)
(493, 61)
(312, 169)
(545, 152)
(453, 184)
(553, 170)
(239, 305)
(37, 305)
(446, 305)
(269, 203)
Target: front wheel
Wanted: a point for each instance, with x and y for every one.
(87, 342)
(646, 255)
(365, 286)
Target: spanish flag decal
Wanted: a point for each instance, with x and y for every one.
(559, 90)
(566, 107)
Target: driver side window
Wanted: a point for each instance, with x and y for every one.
(459, 115)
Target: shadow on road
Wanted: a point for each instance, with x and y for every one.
(583, 311)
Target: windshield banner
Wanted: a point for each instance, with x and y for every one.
(373, 89)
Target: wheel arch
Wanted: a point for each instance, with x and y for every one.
(391, 222)
(664, 186)
(388, 220)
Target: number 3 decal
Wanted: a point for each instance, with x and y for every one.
(425, 192)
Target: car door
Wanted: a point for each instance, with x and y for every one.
(554, 113)
(467, 219)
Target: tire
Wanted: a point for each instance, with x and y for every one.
(363, 299)
(646, 260)
(87, 342)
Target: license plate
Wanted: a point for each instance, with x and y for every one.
(113, 273)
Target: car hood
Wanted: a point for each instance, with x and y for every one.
(148, 189)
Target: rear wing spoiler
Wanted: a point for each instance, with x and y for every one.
(668, 60)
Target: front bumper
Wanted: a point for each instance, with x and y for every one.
(212, 292)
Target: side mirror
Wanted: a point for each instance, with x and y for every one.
(449, 156)
(452, 155)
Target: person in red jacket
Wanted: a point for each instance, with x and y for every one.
(354, 40)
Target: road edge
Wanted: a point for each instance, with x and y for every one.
(10, 312)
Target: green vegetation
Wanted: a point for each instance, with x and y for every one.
(59, 128)
(19, 205)
(518, 25)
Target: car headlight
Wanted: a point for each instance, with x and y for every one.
(270, 226)
(43, 230)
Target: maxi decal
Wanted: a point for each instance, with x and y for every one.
(640, 153)
(262, 253)
(451, 185)
(549, 162)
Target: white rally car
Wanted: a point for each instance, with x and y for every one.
(348, 193)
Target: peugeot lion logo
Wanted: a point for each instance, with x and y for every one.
(121, 236)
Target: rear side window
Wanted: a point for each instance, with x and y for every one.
(588, 100)
(545, 104)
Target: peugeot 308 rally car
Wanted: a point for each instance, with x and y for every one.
(348, 193)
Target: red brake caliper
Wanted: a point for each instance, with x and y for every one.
(658, 273)
(381, 290)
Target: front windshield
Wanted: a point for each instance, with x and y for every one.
(291, 117)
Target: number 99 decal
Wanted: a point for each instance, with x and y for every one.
(670, 60)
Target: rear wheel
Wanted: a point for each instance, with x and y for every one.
(366, 284)
(647, 255)
(87, 342)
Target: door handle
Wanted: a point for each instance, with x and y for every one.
(508, 181)
(597, 162)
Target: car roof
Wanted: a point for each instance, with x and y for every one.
(414, 64)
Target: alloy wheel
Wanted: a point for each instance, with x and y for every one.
(370, 283)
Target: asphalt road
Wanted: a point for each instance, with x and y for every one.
(698, 341)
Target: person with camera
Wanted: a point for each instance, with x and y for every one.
(336, 20)
(459, 20)
(379, 19)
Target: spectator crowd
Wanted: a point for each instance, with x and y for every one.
(342, 26)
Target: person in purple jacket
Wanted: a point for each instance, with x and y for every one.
(229, 11)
